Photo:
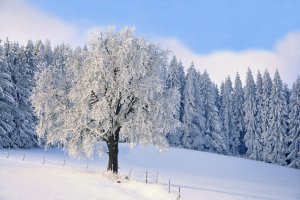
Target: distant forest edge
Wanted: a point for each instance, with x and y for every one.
(260, 120)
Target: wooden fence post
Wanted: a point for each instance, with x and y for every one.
(129, 174)
(169, 186)
(146, 177)
(23, 156)
(156, 177)
(44, 160)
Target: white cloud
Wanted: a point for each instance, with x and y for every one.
(285, 57)
(20, 21)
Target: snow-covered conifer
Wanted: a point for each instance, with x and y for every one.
(216, 96)
(252, 139)
(193, 118)
(259, 105)
(8, 104)
(276, 140)
(294, 126)
(221, 96)
(23, 69)
(43, 54)
(228, 121)
(238, 113)
(266, 93)
(215, 140)
(287, 93)
(175, 81)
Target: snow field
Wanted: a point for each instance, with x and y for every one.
(30, 179)
(200, 175)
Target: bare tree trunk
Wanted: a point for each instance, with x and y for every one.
(113, 150)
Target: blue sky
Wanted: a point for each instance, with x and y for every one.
(203, 26)
(221, 36)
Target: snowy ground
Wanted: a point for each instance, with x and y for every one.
(200, 175)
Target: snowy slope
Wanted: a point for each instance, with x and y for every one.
(24, 180)
(201, 176)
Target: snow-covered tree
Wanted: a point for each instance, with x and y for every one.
(119, 92)
(7, 101)
(217, 97)
(228, 121)
(287, 93)
(30, 58)
(51, 94)
(294, 126)
(238, 114)
(276, 140)
(259, 105)
(175, 81)
(266, 93)
(193, 118)
(43, 54)
(23, 72)
(8, 104)
(221, 97)
(215, 140)
(252, 139)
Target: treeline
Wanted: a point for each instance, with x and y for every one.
(18, 66)
(260, 120)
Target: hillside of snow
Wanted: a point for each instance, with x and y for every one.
(52, 174)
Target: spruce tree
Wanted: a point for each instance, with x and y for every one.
(175, 81)
(193, 118)
(215, 140)
(23, 70)
(217, 97)
(221, 97)
(294, 126)
(228, 122)
(266, 93)
(252, 139)
(8, 104)
(238, 114)
(259, 104)
(276, 140)
(22, 78)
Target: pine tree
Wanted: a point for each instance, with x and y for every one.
(215, 140)
(175, 81)
(23, 70)
(259, 105)
(30, 59)
(252, 139)
(193, 118)
(266, 94)
(8, 105)
(287, 93)
(43, 54)
(181, 75)
(276, 140)
(23, 134)
(228, 121)
(6, 122)
(238, 114)
(217, 97)
(294, 126)
(221, 97)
